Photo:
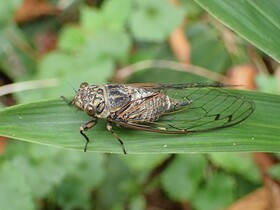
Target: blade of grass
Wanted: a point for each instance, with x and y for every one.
(53, 122)
(256, 21)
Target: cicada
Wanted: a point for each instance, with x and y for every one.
(161, 108)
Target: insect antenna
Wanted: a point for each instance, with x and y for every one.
(72, 87)
(65, 99)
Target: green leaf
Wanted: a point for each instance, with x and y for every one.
(274, 171)
(75, 190)
(187, 169)
(41, 173)
(150, 22)
(110, 43)
(7, 12)
(139, 162)
(53, 122)
(14, 184)
(242, 164)
(138, 203)
(217, 194)
(55, 65)
(93, 19)
(71, 38)
(256, 21)
(116, 21)
(268, 83)
(204, 39)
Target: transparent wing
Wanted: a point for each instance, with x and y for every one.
(203, 107)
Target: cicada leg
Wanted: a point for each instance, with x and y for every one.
(85, 127)
(66, 100)
(110, 128)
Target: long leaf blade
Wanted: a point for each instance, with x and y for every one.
(53, 122)
(256, 21)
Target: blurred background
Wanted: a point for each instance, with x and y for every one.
(47, 48)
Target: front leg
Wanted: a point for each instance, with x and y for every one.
(66, 100)
(85, 127)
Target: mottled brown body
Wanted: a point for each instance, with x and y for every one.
(123, 102)
(140, 106)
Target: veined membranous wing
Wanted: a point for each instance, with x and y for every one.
(200, 107)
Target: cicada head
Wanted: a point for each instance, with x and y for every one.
(91, 99)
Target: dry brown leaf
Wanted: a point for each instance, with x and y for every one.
(33, 9)
(256, 200)
(45, 42)
(3, 141)
(264, 161)
(179, 42)
(243, 76)
(180, 45)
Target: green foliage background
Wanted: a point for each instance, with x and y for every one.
(37, 176)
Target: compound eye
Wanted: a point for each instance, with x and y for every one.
(90, 110)
(83, 85)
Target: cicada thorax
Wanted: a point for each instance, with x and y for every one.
(138, 104)
(117, 96)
